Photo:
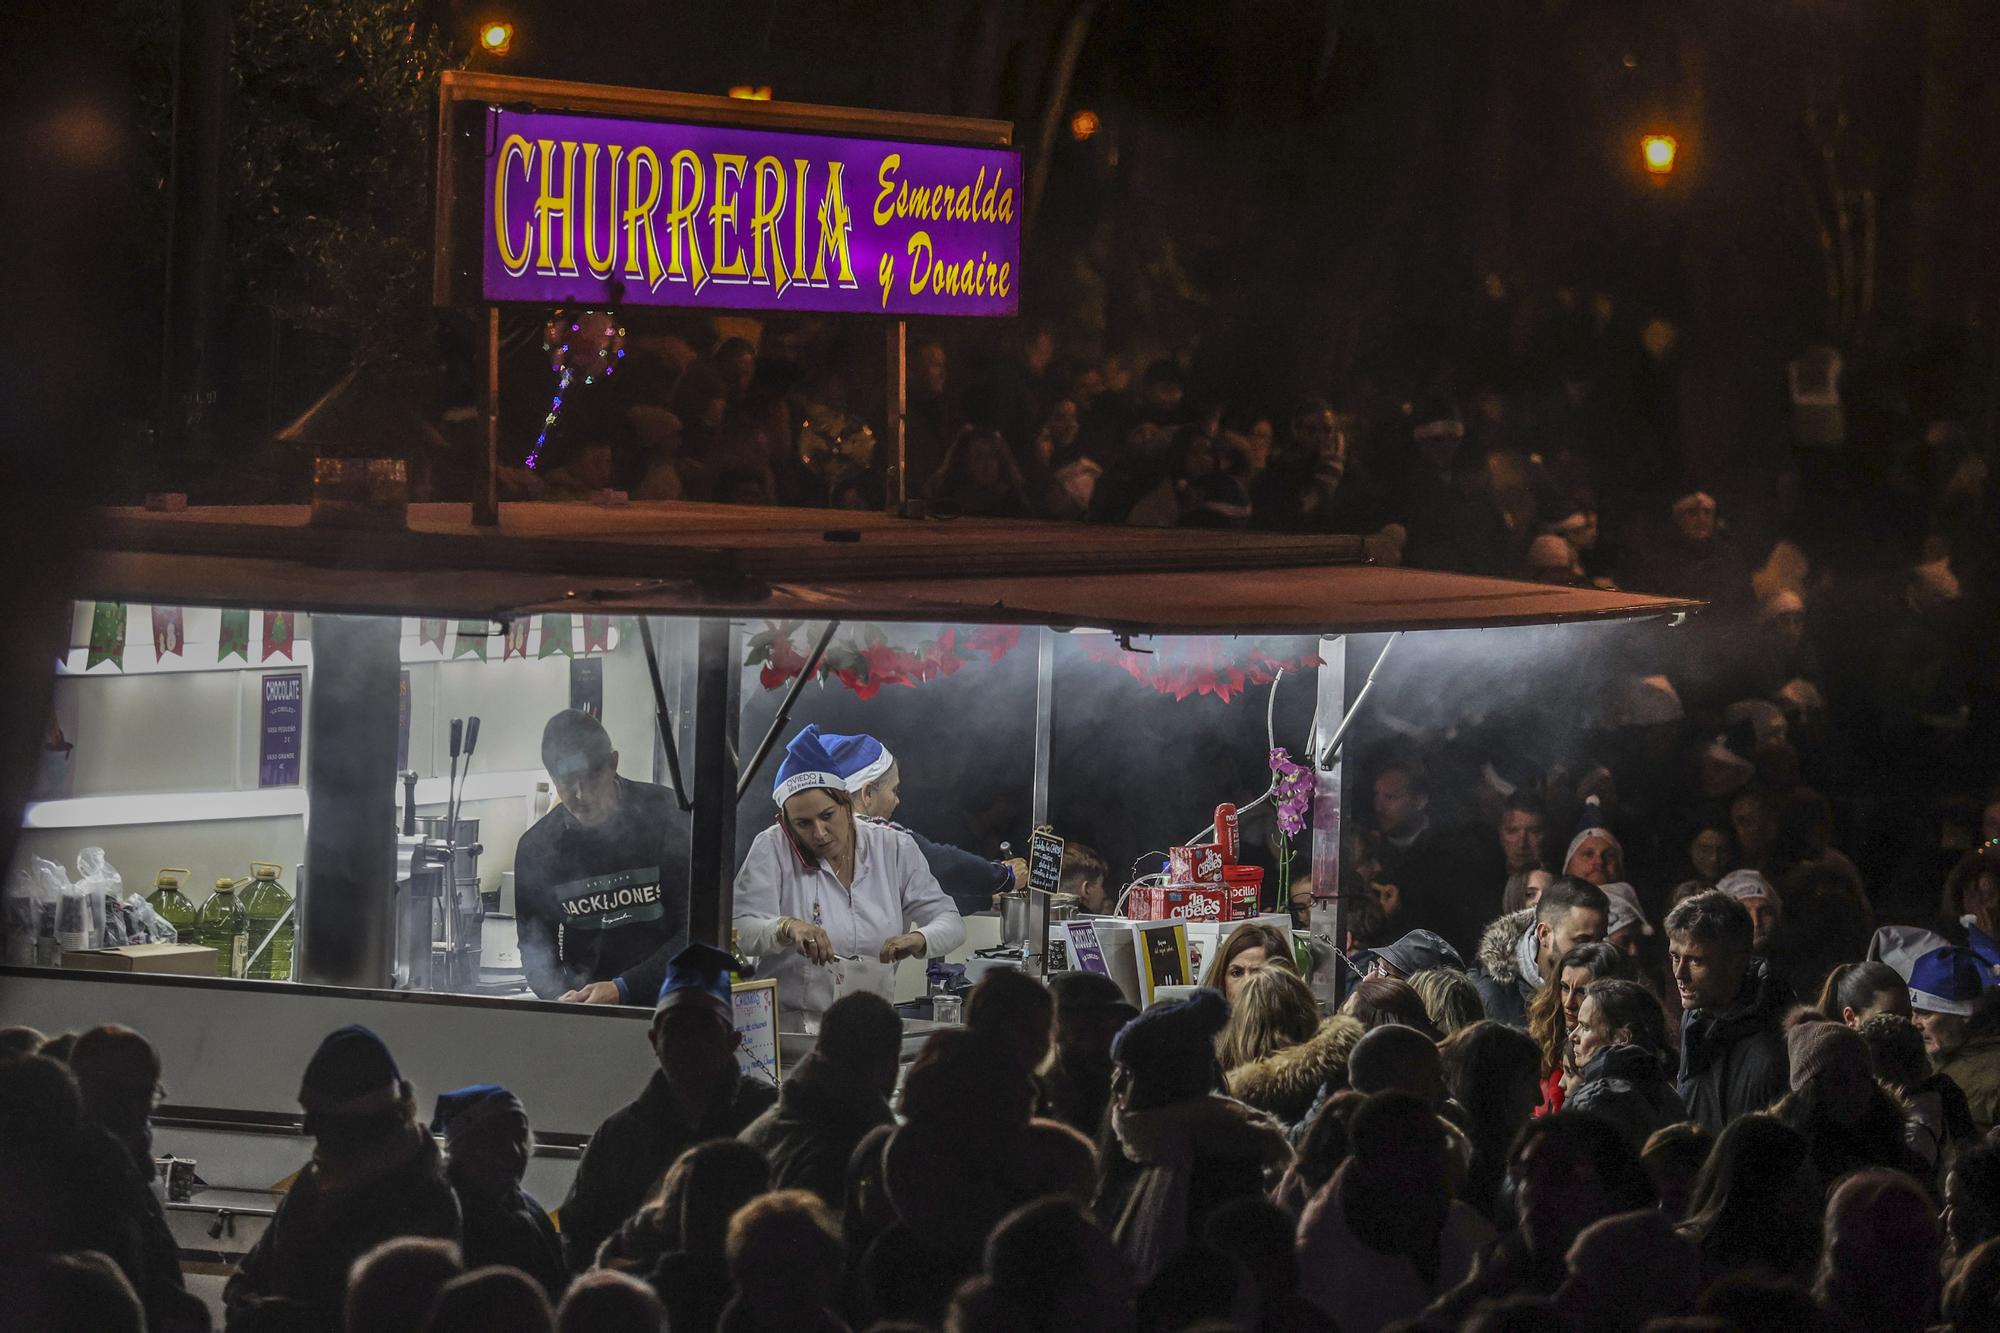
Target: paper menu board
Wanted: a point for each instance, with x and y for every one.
(756, 1013)
(1161, 951)
(1086, 954)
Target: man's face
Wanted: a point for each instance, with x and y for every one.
(1597, 860)
(1943, 1033)
(1093, 898)
(1763, 922)
(1397, 807)
(1579, 925)
(822, 825)
(1521, 840)
(589, 793)
(696, 1050)
(1707, 973)
(879, 799)
(1695, 517)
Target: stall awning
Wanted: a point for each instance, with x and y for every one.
(699, 559)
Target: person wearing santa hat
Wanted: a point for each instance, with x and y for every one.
(828, 903)
(875, 781)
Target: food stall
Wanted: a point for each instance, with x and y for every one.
(335, 719)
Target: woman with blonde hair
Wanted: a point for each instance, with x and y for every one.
(1449, 998)
(1277, 1050)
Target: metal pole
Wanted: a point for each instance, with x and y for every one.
(194, 227)
(1045, 707)
(486, 484)
(1329, 915)
(712, 830)
(897, 492)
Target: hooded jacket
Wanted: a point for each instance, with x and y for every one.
(295, 1276)
(1628, 1086)
(1192, 1157)
(822, 1114)
(634, 1147)
(1287, 1083)
(1502, 967)
(1733, 1061)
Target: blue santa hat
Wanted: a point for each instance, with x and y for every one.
(699, 975)
(464, 1112)
(858, 759)
(806, 765)
(1947, 981)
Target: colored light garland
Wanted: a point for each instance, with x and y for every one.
(606, 337)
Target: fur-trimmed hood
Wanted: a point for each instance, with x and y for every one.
(1286, 1083)
(1499, 945)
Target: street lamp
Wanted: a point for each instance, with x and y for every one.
(1656, 152)
(1083, 124)
(496, 37)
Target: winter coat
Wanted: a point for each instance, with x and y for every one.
(1628, 1086)
(1362, 1288)
(1286, 1083)
(1504, 1268)
(1076, 1092)
(631, 1151)
(1975, 1068)
(808, 1137)
(1498, 972)
(295, 1277)
(1734, 1061)
(1191, 1158)
(513, 1230)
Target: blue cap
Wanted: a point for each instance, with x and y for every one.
(806, 765)
(1947, 981)
(858, 759)
(699, 974)
(464, 1111)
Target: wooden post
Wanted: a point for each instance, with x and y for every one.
(897, 491)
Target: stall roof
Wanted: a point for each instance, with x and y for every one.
(701, 559)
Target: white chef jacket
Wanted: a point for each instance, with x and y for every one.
(893, 892)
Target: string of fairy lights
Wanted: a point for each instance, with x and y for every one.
(583, 348)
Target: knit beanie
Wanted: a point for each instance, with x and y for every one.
(1817, 1047)
(351, 1074)
(465, 1114)
(1170, 1048)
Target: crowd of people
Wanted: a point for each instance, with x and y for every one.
(1603, 1124)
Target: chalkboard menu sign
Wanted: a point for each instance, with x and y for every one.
(1045, 860)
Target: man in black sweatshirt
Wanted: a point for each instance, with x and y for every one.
(600, 882)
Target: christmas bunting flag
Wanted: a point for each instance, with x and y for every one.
(107, 635)
(515, 644)
(596, 633)
(235, 636)
(431, 632)
(168, 633)
(471, 639)
(555, 635)
(277, 634)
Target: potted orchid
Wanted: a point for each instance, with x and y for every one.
(1291, 793)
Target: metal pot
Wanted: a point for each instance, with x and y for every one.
(1013, 917)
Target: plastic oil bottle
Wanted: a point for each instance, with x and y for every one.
(225, 927)
(268, 907)
(168, 900)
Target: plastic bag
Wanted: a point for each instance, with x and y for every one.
(147, 925)
(21, 915)
(104, 886)
(50, 880)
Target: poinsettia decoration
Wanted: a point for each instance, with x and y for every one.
(867, 659)
(1204, 664)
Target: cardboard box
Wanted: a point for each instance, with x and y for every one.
(1192, 902)
(1201, 864)
(188, 960)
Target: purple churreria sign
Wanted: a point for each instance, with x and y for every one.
(595, 211)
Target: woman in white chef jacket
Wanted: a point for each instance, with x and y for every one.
(829, 903)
